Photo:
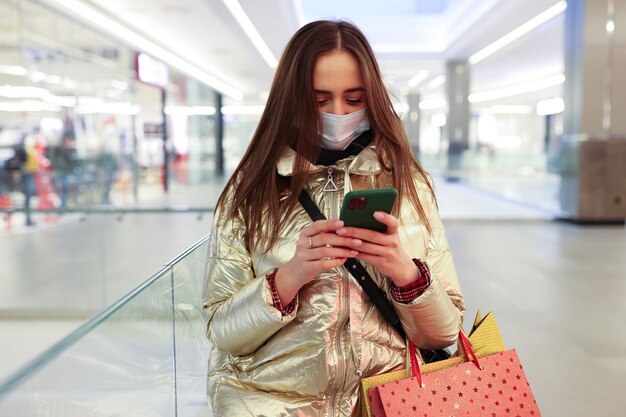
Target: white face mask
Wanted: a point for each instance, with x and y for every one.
(340, 131)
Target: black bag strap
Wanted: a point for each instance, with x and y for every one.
(376, 295)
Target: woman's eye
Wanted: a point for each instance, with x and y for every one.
(321, 101)
(354, 100)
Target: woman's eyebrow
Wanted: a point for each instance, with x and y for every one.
(349, 90)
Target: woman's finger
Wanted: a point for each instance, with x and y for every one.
(329, 252)
(369, 258)
(326, 264)
(373, 249)
(362, 234)
(388, 220)
(321, 226)
(333, 239)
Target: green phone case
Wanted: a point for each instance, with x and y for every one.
(359, 206)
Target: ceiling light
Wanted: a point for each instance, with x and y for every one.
(436, 82)
(203, 110)
(610, 26)
(37, 76)
(69, 84)
(12, 70)
(418, 78)
(242, 18)
(177, 110)
(250, 110)
(23, 91)
(517, 89)
(53, 79)
(51, 123)
(520, 31)
(124, 108)
(27, 106)
(190, 110)
(550, 106)
(143, 44)
(432, 104)
(210, 110)
(438, 120)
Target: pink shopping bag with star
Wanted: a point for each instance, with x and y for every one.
(492, 386)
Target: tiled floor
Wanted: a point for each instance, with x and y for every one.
(557, 292)
(556, 289)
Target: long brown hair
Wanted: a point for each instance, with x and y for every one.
(292, 118)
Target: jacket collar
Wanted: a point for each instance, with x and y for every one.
(364, 163)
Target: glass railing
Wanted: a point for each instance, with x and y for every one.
(95, 257)
(145, 355)
(513, 176)
(93, 246)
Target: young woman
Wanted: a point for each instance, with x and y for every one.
(292, 331)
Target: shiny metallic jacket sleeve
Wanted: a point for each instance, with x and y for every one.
(238, 305)
(433, 320)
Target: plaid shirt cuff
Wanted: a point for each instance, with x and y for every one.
(410, 292)
(271, 280)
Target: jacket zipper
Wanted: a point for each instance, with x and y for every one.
(344, 295)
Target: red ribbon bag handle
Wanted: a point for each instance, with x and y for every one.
(470, 356)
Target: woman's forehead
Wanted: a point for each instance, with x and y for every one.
(337, 70)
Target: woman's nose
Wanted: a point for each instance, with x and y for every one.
(338, 107)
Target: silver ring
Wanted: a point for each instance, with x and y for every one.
(311, 243)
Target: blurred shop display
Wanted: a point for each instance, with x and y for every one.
(82, 123)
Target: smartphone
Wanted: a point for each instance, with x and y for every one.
(359, 206)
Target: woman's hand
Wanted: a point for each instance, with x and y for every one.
(318, 249)
(383, 250)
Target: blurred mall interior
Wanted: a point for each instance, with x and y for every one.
(120, 121)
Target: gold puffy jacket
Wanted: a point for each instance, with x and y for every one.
(310, 362)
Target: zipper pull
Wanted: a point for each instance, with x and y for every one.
(330, 184)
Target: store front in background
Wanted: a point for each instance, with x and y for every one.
(78, 129)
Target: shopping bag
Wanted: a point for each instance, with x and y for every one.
(485, 336)
(485, 339)
(492, 385)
